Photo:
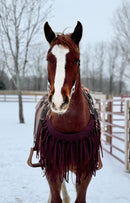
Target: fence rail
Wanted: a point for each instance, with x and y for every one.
(34, 96)
(27, 96)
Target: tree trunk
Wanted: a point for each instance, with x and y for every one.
(101, 77)
(21, 118)
(111, 84)
(120, 83)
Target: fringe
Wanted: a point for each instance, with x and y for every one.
(59, 153)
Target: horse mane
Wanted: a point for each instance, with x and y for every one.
(66, 41)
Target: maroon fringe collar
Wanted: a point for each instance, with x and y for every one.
(59, 152)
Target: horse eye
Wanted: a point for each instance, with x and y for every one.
(77, 61)
(47, 60)
(49, 82)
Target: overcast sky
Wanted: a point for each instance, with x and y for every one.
(95, 15)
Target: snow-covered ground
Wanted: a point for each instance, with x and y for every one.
(21, 184)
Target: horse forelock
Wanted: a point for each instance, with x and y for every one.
(65, 41)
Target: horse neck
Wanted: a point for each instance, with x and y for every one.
(78, 114)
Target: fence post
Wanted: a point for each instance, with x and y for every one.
(102, 110)
(4, 97)
(127, 131)
(121, 103)
(109, 120)
(110, 126)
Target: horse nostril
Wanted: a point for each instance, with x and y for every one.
(54, 106)
(50, 98)
(52, 103)
(66, 101)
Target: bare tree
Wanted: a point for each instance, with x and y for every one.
(37, 66)
(20, 21)
(113, 52)
(86, 63)
(121, 24)
(99, 62)
(93, 67)
(120, 70)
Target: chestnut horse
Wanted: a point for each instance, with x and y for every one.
(69, 137)
(69, 109)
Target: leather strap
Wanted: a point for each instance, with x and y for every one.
(29, 161)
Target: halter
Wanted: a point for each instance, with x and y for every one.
(74, 85)
(73, 89)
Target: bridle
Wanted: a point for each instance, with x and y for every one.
(74, 85)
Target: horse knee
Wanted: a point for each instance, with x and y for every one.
(54, 199)
(55, 188)
(81, 189)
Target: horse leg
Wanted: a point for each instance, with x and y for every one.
(55, 188)
(66, 198)
(81, 189)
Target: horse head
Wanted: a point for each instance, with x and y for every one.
(63, 59)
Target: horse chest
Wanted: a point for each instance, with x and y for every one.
(71, 123)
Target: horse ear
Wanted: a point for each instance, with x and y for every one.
(77, 34)
(49, 34)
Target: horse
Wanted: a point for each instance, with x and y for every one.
(68, 139)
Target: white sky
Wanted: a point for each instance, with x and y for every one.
(95, 15)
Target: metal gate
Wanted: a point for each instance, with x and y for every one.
(115, 127)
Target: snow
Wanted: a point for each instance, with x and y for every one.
(21, 184)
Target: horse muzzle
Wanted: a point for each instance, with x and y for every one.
(58, 104)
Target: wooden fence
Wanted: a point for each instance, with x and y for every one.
(27, 96)
(34, 96)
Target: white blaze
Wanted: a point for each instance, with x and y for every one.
(60, 53)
